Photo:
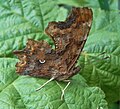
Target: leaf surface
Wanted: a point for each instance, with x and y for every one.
(18, 92)
(101, 56)
(23, 19)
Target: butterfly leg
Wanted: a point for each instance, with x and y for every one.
(63, 90)
(67, 80)
(45, 83)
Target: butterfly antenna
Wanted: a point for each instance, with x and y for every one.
(45, 84)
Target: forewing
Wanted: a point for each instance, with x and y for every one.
(70, 36)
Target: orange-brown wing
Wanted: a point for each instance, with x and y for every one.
(70, 36)
(33, 59)
(38, 59)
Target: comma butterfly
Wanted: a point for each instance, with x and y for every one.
(38, 59)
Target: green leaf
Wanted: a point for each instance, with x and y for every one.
(23, 19)
(7, 72)
(101, 56)
(102, 4)
(20, 92)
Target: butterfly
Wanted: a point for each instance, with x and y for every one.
(38, 59)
